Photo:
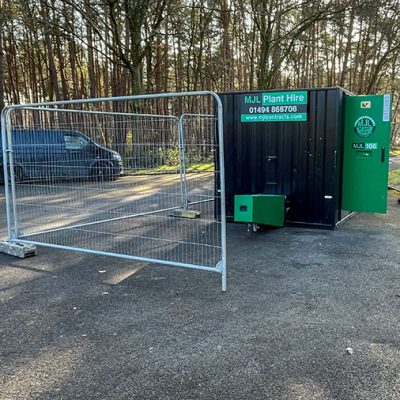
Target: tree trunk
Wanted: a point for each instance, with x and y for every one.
(2, 30)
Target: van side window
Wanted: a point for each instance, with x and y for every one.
(73, 142)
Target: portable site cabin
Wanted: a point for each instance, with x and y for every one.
(325, 151)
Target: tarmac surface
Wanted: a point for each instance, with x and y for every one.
(394, 162)
(79, 326)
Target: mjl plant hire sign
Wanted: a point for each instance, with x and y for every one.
(274, 107)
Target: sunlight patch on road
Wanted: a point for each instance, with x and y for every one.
(121, 275)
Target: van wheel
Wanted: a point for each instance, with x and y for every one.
(101, 172)
(18, 175)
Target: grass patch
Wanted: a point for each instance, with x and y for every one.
(172, 169)
(394, 178)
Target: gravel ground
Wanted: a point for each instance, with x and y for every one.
(76, 326)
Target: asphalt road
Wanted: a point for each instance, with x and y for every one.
(76, 326)
(122, 216)
(394, 163)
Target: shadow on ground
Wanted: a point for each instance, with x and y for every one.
(77, 326)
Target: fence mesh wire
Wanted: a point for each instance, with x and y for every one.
(110, 178)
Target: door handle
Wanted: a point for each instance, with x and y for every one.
(383, 154)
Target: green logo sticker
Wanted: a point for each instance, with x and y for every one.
(364, 126)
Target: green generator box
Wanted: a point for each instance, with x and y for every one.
(265, 209)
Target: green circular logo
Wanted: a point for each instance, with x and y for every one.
(364, 126)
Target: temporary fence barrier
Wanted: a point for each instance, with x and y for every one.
(137, 177)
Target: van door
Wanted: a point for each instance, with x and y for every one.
(49, 153)
(38, 153)
(79, 154)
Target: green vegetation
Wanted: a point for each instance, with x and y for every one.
(394, 178)
(170, 169)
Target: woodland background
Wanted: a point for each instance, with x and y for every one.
(54, 50)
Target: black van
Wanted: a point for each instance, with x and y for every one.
(60, 154)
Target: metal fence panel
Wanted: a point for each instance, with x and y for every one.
(133, 177)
